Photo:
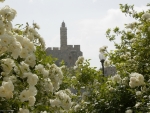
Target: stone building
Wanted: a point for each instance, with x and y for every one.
(68, 53)
(109, 71)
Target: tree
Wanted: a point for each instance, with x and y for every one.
(131, 58)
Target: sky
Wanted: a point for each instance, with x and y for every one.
(86, 21)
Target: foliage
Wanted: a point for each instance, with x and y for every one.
(130, 58)
(84, 81)
(131, 52)
(128, 90)
(31, 82)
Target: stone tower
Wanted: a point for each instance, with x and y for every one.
(63, 36)
(68, 53)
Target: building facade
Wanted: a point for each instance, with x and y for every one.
(68, 53)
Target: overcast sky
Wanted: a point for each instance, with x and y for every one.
(86, 21)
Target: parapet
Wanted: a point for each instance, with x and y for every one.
(77, 47)
(74, 47)
(70, 46)
(52, 48)
(56, 48)
(49, 48)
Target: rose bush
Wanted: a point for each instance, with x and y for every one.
(29, 80)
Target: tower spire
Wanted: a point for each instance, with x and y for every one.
(63, 36)
(63, 24)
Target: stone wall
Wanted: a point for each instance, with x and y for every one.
(109, 71)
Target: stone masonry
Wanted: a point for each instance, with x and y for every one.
(68, 53)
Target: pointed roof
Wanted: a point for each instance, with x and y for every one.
(63, 24)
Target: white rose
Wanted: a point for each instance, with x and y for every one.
(138, 93)
(24, 53)
(32, 100)
(24, 95)
(31, 60)
(8, 85)
(129, 111)
(32, 90)
(55, 102)
(23, 110)
(32, 79)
